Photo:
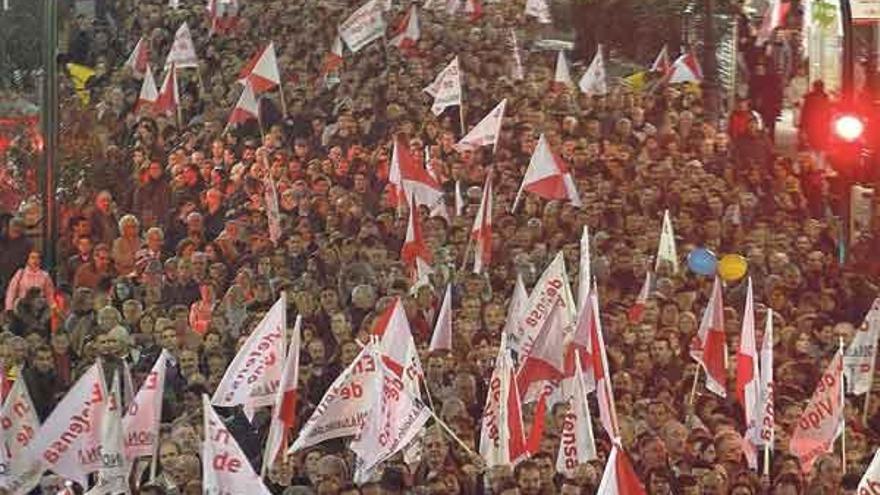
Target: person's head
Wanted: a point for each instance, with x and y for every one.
(528, 478)
(103, 202)
(659, 482)
(43, 360)
(101, 257)
(129, 226)
(332, 473)
(436, 447)
(34, 259)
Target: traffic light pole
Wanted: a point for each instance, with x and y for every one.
(49, 123)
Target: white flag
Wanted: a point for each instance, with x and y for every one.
(593, 81)
(68, 443)
(666, 247)
(562, 77)
(486, 132)
(502, 437)
(552, 289)
(446, 88)
(821, 421)
(363, 26)
(576, 442)
(518, 301)
(253, 375)
(141, 420)
(442, 337)
(858, 361)
(766, 422)
(225, 468)
(20, 425)
(173, 4)
(747, 377)
(539, 10)
(345, 406)
(870, 483)
(113, 473)
(395, 418)
(183, 51)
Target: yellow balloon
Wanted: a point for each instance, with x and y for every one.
(732, 267)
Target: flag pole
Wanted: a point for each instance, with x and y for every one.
(842, 415)
(693, 393)
(767, 459)
(865, 405)
(283, 100)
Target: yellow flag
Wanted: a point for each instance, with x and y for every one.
(636, 82)
(79, 76)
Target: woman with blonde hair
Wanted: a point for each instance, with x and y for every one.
(125, 248)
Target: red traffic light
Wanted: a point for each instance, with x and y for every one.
(848, 127)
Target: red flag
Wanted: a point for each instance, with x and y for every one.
(597, 374)
(502, 437)
(661, 64)
(284, 412)
(414, 246)
(482, 229)
(409, 180)
(709, 346)
(223, 15)
(474, 9)
(442, 337)
(685, 69)
(407, 34)
(333, 58)
(397, 345)
(261, 71)
(637, 311)
(821, 422)
(169, 96)
(149, 95)
(620, 477)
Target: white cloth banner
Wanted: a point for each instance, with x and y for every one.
(20, 425)
(225, 468)
(143, 415)
(183, 51)
(363, 26)
(860, 356)
(446, 88)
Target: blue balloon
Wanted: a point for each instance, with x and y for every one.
(702, 261)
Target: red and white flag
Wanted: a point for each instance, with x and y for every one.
(481, 232)
(139, 60)
(666, 247)
(345, 405)
(597, 374)
(870, 482)
(333, 58)
(473, 9)
(619, 477)
(539, 10)
(551, 288)
(247, 108)
(395, 419)
(584, 268)
(149, 93)
(487, 131)
(637, 311)
(69, 441)
(577, 444)
(548, 177)
(821, 421)
(363, 26)
(284, 409)
(446, 88)
(747, 377)
(397, 346)
(409, 180)
(685, 69)
(594, 82)
(709, 346)
(562, 77)
(169, 97)
(20, 425)
(774, 17)
(502, 435)
(252, 377)
(261, 71)
(861, 355)
(407, 34)
(225, 467)
(223, 15)
(141, 420)
(414, 245)
(442, 337)
(183, 52)
(662, 64)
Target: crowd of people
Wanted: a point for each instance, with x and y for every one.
(176, 254)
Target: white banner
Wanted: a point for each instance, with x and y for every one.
(345, 406)
(225, 468)
(552, 288)
(253, 375)
(183, 51)
(446, 88)
(821, 421)
(363, 26)
(860, 356)
(141, 420)
(20, 424)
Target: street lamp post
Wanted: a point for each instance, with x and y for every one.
(49, 124)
